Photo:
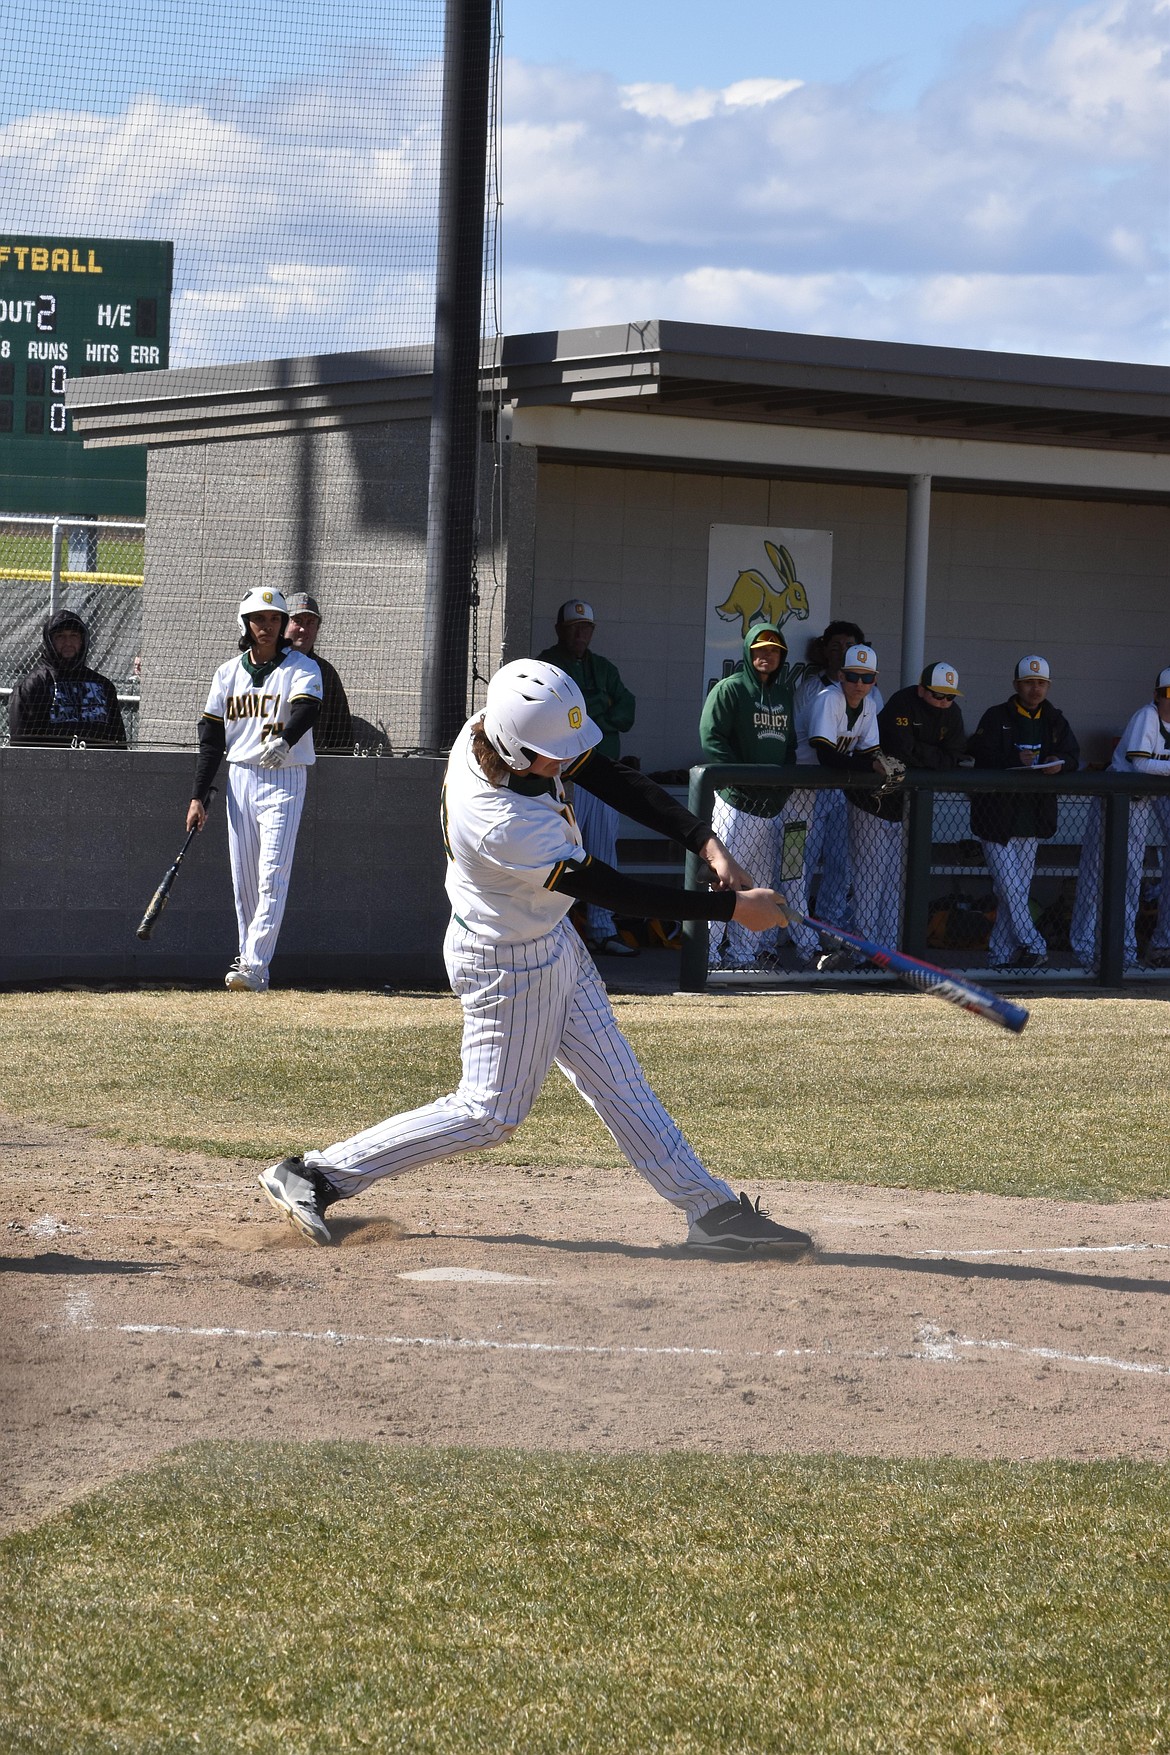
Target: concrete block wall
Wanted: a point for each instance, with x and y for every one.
(1085, 582)
(85, 836)
(339, 514)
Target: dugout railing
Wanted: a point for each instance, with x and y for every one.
(947, 879)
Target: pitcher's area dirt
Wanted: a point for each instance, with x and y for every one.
(147, 1300)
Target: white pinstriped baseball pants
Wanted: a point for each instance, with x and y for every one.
(263, 815)
(524, 1007)
(1012, 865)
(877, 853)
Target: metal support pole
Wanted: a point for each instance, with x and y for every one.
(55, 569)
(455, 383)
(919, 840)
(1114, 864)
(914, 587)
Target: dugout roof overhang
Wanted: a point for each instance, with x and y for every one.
(661, 393)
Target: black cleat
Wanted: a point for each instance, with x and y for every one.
(302, 1194)
(739, 1228)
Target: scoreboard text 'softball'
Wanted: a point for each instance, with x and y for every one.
(73, 307)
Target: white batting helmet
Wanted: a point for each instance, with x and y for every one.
(261, 597)
(536, 709)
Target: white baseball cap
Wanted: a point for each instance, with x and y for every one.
(1033, 669)
(575, 611)
(1163, 683)
(941, 679)
(860, 658)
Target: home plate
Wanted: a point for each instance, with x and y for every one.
(466, 1273)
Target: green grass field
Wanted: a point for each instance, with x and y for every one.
(333, 1598)
(890, 1089)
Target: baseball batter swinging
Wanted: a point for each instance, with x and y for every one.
(530, 993)
(260, 713)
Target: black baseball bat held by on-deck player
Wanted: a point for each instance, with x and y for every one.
(159, 900)
(928, 977)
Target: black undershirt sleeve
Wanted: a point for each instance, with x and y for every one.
(629, 791)
(591, 880)
(302, 718)
(212, 743)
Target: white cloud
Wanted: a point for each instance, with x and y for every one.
(668, 104)
(1096, 316)
(1019, 203)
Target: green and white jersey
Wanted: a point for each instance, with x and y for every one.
(253, 712)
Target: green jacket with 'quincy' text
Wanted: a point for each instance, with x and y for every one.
(746, 719)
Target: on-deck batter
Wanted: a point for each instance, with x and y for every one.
(530, 992)
(260, 713)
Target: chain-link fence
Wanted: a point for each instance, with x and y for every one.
(1005, 875)
(90, 567)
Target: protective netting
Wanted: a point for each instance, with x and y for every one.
(92, 569)
(210, 186)
(1013, 884)
(289, 152)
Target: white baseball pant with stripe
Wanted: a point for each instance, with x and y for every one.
(754, 842)
(877, 853)
(1012, 866)
(1086, 914)
(598, 823)
(263, 815)
(525, 1007)
(827, 847)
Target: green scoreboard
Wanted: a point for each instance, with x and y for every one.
(70, 307)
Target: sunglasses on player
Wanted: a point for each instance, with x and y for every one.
(861, 676)
(940, 695)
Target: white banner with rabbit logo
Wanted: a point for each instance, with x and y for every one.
(759, 573)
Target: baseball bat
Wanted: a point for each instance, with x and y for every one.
(159, 900)
(927, 977)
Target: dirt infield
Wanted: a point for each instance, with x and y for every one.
(148, 1299)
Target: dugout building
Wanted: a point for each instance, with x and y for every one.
(981, 505)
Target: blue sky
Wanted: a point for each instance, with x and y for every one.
(982, 173)
(907, 41)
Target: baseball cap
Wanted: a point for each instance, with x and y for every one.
(769, 637)
(301, 603)
(860, 658)
(941, 679)
(575, 611)
(1163, 683)
(1033, 667)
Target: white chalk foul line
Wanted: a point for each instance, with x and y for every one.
(1066, 1249)
(935, 1346)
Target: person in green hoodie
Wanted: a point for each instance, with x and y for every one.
(749, 717)
(611, 706)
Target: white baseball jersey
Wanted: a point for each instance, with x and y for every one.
(829, 722)
(808, 692)
(1144, 745)
(252, 714)
(503, 850)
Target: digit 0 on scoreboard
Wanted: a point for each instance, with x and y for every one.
(73, 307)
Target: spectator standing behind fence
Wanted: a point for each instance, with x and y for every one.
(612, 707)
(748, 717)
(1024, 732)
(844, 734)
(62, 700)
(826, 847)
(922, 725)
(1142, 748)
(334, 728)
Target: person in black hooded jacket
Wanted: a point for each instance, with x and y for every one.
(62, 699)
